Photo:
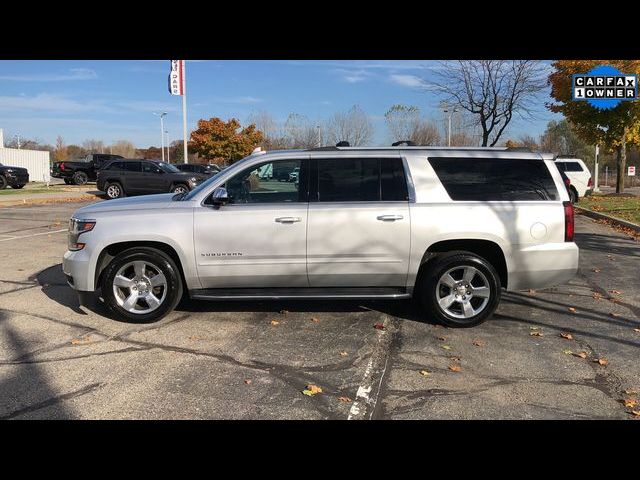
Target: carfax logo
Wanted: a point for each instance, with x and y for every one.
(605, 87)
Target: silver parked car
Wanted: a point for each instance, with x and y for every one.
(451, 227)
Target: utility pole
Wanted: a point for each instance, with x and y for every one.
(184, 109)
(161, 115)
(168, 157)
(595, 183)
(319, 136)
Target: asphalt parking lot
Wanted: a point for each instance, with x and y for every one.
(254, 360)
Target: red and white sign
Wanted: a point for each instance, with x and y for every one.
(631, 171)
(176, 77)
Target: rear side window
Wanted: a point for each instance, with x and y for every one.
(486, 179)
(131, 166)
(570, 166)
(361, 180)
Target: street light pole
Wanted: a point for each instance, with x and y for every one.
(595, 184)
(319, 137)
(168, 157)
(450, 112)
(161, 115)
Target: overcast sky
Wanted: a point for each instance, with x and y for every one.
(114, 100)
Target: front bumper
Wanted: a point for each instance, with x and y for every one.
(75, 266)
(17, 178)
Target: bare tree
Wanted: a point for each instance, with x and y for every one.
(405, 123)
(491, 90)
(529, 142)
(61, 152)
(463, 139)
(124, 148)
(352, 126)
(300, 132)
(274, 137)
(93, 146)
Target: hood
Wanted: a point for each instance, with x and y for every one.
(142, 202)
(15, 169)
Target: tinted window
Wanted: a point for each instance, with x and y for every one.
(361, 180)
(348, 180)
(150, 168)
(115, 166)
(392, 180)
(570, 166)
(495, 179)
(268, 183)
(131, 166)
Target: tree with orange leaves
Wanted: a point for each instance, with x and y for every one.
(220, 141)
(612, 129)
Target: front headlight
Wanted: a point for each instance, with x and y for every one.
(76, 228)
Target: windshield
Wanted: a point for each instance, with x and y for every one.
(167, 167)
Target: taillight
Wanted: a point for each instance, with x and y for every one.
(590, 182)
(61, 166)
(569, 227)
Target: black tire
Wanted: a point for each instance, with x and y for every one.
(164, 264)
(3, 182)
(80, 178)
(114, 190)
(177, 188)
(429, 289)
(68, 181)
(17, 187)
(573, 195)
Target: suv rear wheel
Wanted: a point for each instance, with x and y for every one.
(3, 183)
(80, 178)
(114, 190)
(142, 284)
(460, 289)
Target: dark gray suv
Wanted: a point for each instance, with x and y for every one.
(124, 177)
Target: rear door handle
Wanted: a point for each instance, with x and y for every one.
(390, 218)
(288, 219)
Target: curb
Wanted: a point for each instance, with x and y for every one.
(44, 201)
(602, 216)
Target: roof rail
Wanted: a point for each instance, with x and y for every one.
(519, 149)
(323, 149)
(343, 144)
(403, 143)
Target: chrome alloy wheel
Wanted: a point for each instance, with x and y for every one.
(463, 292)
(113, 191)
(140, 287)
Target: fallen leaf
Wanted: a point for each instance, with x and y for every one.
(614, 314)
(81, 340)
(596, 270)
(455, 368)
(455, 359)
(536, 333)
(478, 343)
(247, 381)
(596, 296)
(532, 291)
(446, 347)
(343, 354)
(284, 312)
(315, 320)
(572, 309)
(635, 413)
(312, 390)
(344, 399)
(442, 339)
(567, 352)
(379, 326)
(631, 391)
(566, 335)
(534, 328)
(193, 337)
(580, 354)
(424, 373)
(614, 292)
(630, 402)
(637, 330)
(601, 361)
(275, 322)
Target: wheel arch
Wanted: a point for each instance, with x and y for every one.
(487, 249)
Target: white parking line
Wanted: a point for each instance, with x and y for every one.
(33, 235)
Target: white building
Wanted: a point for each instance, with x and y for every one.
(36, 161)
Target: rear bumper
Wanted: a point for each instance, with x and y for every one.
(542, 266)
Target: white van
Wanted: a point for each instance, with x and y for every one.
(579, 174)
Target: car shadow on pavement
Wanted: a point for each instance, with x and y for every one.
(54, 285)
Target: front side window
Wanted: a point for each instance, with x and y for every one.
(269, 182)
(150, 168)
(361, 180)
(494, 179)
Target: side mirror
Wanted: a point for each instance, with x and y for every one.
(219, 197)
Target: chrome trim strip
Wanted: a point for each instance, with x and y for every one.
(293, 297)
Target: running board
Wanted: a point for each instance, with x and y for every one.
(299, 293)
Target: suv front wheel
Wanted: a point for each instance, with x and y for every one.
(460, 289)
(142, 284)
(114, 190)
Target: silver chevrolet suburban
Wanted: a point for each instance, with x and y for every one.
(450, 227)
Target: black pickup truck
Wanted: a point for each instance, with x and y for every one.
(79, 172)
(15, 177)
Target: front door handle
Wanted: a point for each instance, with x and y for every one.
(288, 219)
(390, 218)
